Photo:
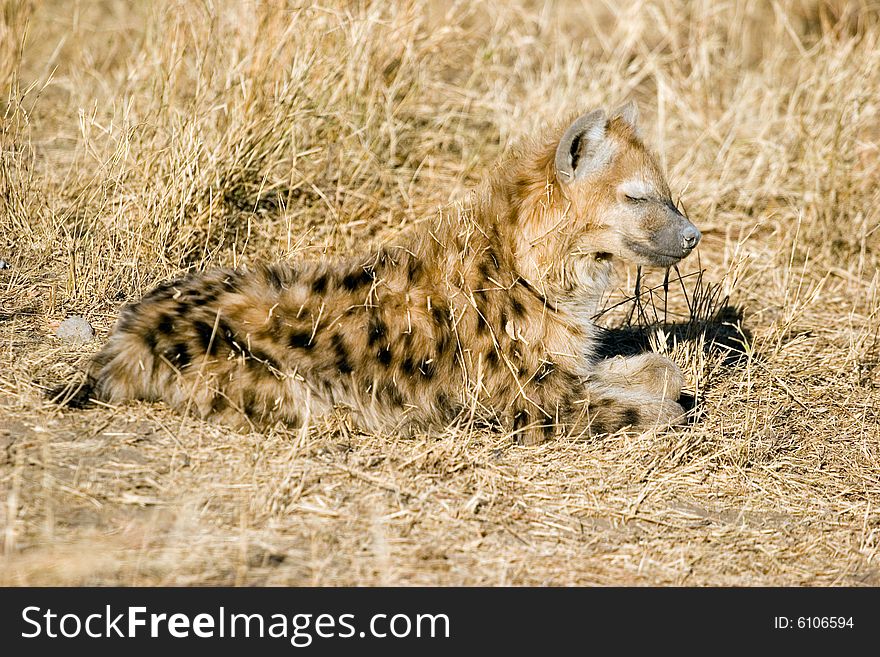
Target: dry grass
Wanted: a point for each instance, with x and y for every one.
(139, 140)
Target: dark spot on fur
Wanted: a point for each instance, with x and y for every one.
(165, 325)
(226, 331)
(482, 323)
(413, 269)
(249, 403)
(426, 368)
(232, 282)
(545, 370)
(443, 342)
(376, 330)
(391, 394)
(386, 258)
(549, 429)
(190, 294)
(300, 340)
(273, 278)
(408, 366)
(483, 308)
(486, 271)
(219, 403)
(179, 356)
(492, 358)
(223, 336)
(631, 417)
(517, 308)
(319, 285)
(274, 330)
(204, 299)
(513, 213)
(182, 308)
(440, 315)
(357, 279)
(531, 290)
(204, 333)
(384, 355)
(343, 364)
(260, 359)
(442, 329)
(597, 427)
(161, 291)
(492, 257)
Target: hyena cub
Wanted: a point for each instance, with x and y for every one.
(486, 309)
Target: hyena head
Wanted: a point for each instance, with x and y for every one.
(617, 201)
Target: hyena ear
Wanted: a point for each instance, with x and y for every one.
(582, 150)
(629, 112)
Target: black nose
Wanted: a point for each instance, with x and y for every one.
(690, 237)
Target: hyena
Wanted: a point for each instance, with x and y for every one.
(486, 309)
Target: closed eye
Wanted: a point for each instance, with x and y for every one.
(636, 199)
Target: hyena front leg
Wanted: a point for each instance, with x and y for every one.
(594, 410)
(651, 373)
(610, 409)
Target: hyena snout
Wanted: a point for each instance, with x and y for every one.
(690, 237)
(678, 237)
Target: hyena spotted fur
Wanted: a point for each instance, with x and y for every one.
(487, 309)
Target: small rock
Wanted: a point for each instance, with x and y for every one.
(75, 329)
(4, 264)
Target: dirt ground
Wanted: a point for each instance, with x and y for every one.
(140, 140)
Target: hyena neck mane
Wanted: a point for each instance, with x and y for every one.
(512, 230)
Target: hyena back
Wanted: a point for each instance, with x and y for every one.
(488, 308)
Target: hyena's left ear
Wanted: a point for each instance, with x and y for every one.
(583, 149)
(629, 112)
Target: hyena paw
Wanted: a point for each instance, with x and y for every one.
(610, 411)
(660, 414)
(634, 412)
(649, 372)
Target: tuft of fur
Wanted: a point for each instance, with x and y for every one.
(487, 307)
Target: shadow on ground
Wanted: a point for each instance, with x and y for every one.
(722, 335)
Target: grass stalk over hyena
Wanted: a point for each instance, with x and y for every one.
(141, 142)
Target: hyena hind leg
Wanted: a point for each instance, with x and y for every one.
(241, 395)
(652, 373)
